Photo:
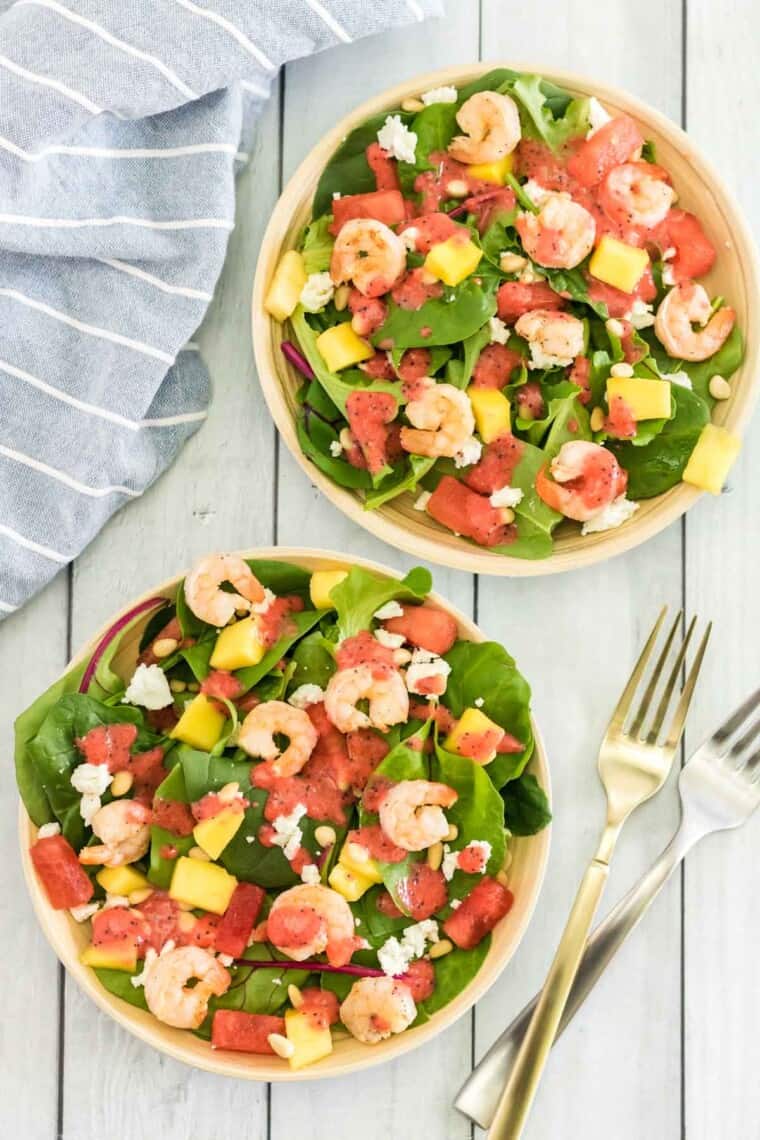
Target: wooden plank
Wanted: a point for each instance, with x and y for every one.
(32, 653)
(617, 1071)
(411, 1097)
(219, 495)
(722, 922)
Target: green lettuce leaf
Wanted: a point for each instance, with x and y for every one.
(363, 592)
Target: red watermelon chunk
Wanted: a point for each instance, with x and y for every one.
(614, 143)
(383, 205)
(244, 1032)
(496, 465)
(65, 881)
(488, 902)
(424, 627)
(236, 926)
(464, 512)
(369, 413)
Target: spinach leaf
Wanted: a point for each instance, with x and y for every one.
(405, 478)
(348, 171)
(573, 283)
(363, 592)
(478, 813)
(438, 357)
(161, 869)
(198, 656)
(315, 438)
(281, 577)
(660, 465)
(723, 363)
(314, 661)
(526, 807)
(118, 983)
(336, 387)
(452, 973)
(534, 519)
(317, 246)
(256, 990)
(299, 624)
(562, 408)
(434, 127)
(461, 312)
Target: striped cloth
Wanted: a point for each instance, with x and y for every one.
(120, 133)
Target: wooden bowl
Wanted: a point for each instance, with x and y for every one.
(68, 938)
(735, 277)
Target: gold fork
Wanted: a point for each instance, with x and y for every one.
(632, 767)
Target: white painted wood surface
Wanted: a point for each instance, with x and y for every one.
(667, 1048)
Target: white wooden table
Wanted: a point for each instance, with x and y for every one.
(668, 1047)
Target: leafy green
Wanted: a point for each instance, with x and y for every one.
(434, 127)
(562, 409)
(461, 312)
(317, 246)
(526, 807)
(453, 972)
(315, 439)
(723, 363)
(161, 869)
(573, 283)
(348, 171)
(298, 625)
(539, 119)
(660, 465)
(281, 577)
(404, 478)
(314, 661)
(478, 813)
(363, 592)
(119, 983)
(336, 387)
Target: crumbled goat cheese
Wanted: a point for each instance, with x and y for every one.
(478, 702)
(389, 610)
(420, 504)
(440, 95)
(48, 830)
(682, 379)
(262, 606)
(91, 779)
(419, 656)
(336, 448)
(409, 238)
(336, 194)
(597, 116)
(394, 956)
(416, 935)
(250, 838)
(138, 980)
(395, 137)
(613, 515)
(455, 904)
(317, 292)
(288, 834)
(481, 845)
(416, 674)
(225, 959)
(536, 192)
(669, 253)
(389, 640)
(449, 863)
(310, 874)
(306, 695)
(89, 805)
(401, 657)
(668, 276)
(641, 315)
(499, 331)
(506, 497)
(84, 911)
(469, 452)
(148, 688)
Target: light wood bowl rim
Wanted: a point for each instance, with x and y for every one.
(419, 535)
(67, 937)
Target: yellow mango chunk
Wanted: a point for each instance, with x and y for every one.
(121, 880)
(647, 399)
(491, 410)
(362, 868)
(117, 957)
(473, 722)
(618, 264)
(284, 291)
(348, 883)
(322, 581)
(340, 347)
(203, 885)
(493, 171)
(214, 834)
(200, 725)
(311, 1042)
(712, 459)
(453, 260)
(238, 645)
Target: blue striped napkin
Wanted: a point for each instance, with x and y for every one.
(122, 123)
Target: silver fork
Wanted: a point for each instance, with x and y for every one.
(719, 789)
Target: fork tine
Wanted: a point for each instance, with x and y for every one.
(624, 704)
(662, 708)
(737, 718)
(741, 745)
(649, 692)
(682, 708)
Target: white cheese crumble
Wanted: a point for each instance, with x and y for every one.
(317, 292)
(48, 830)
(148, 688)
(88, 806)
(409, 238)
(225, 959)
(455, 904)
(499, 331)
(394, 956)
(668, 276)
(138, 980)
(389, 610)
(449, 863)
(417, 673)
(91, 779)
(682, 379)
(446, 94)
(420, 504)
(306, 695)
(389, 640)
(597, 116)
(84, 911)
(310, 874)
(419, 656)
(478, 702)
(613, 515)
(483, 846)
(336, 193)
(506, 497)
(287, 833)
(395, 137)
(336, 448)
(469, 452)
(641, 315)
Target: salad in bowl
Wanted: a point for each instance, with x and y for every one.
(502, 317)
(280, 809)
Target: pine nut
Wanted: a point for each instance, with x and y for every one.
(164, 647)
(452, 833)
(177, 686)
(507, 515)
(199, 853)
(186, 921)
(229, 792)
(502, 878)
(614, 327)
(440, 949)
(622, 370)
(412, 104)
(435, 856)
(719, 388)
(340, 297)
(457, 188)
(137, 897)
(597, 419)
(281, 1046)
(325, 835)
(193, 687)
(121, 783)
(295, 996)
(512, 262)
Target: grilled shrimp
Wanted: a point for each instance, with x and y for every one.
(258, 731)
(368, 253)
(555, 339)
(308, 920)
(124, 828)
(560, 235)
(637, 194)
(381, 685)
(411, 813)
(491, 126)
(377, 1007)
(167, 994)
(206, 598)
(586, 478)
(686, 305)
(443, 421)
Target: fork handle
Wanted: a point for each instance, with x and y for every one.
(516, 1099)
(479, 1095)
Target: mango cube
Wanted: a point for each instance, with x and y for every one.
(200, 725)
(311, 1041)
(493, 171)
(121, 880)
(362, 868)
(284, 291)
(453, 260)
(203, 885)
(238, 645)
(214, 834)
(348, 883)
(491, 410)
(477, 726)
(712, 459)
(322, 581)
(119, 956)
(618, 264)
(340, 347)
(647, 399)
